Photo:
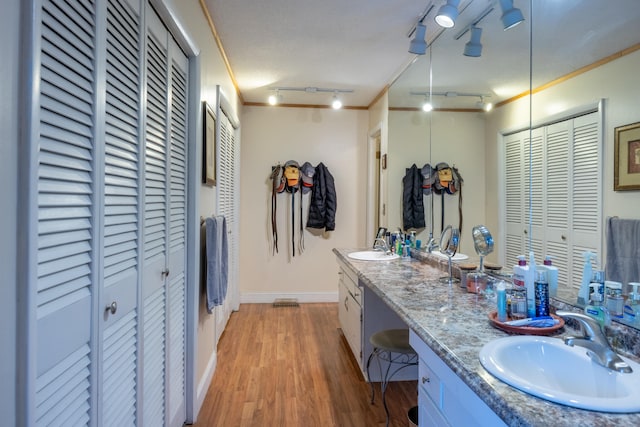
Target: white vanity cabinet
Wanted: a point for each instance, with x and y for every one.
(443, 398)
(363, 313)
(350, 310)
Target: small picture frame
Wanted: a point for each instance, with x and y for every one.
(209, 145)
(626, 167)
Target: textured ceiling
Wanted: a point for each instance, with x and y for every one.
(362, 45)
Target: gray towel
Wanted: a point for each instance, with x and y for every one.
(217, 261)
(623, 250)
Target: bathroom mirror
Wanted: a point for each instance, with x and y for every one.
(571, 43)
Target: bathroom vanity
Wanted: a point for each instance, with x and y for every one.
(448, 328)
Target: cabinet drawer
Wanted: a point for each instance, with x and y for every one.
(430, 383)
(351, 285)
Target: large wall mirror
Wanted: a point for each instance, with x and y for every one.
(581, 58)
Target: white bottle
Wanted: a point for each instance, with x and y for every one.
(613, 299)
(552, 276)
(583, 293)
(632, 308)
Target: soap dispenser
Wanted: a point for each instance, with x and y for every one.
(583, 293)
(632, 309)
(595, 309)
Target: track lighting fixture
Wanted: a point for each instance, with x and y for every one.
(473, 47)
(274, 99)
(428, 106)
(448, 14)
(510, 16)
(418, 45)
(336, 103)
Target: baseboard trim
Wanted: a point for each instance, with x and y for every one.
(205, 382)
(302, 297)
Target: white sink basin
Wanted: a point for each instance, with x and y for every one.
(372, 256)
(456, 257)
(551, 370)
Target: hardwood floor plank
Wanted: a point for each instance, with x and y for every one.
(291, 366)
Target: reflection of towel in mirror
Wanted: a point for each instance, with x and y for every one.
(623, 250)
(217, 261)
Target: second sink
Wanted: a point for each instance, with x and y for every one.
(547, 368)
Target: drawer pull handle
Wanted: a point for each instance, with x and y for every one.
(426, 380)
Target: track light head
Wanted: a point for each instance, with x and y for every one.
(427, 106)
(418, 45)
(336, 104)
(473, 47)
(275, 99)
(447, 14)
(510, 16)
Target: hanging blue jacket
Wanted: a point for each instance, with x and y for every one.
(323, 204)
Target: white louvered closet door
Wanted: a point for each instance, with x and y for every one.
(156, 205)
(122, 177)
(566, 185)
(176, 303)
(66, 242)
(228, 205)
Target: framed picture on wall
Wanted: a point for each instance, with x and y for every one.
(209, 146)
(626, 168)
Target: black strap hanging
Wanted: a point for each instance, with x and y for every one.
(293, 224)
(301, 226)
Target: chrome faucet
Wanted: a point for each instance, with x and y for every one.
(380, 244)
(595, 341)
(432, 244)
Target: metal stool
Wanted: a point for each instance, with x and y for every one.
(390, 345)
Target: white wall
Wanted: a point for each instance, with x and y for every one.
(275, 134)
(9, 119)
(457, 139)
(616, 82)
(212, 72)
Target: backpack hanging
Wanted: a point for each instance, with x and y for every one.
(292, 175)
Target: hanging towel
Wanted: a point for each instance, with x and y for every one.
(217, 261)
(623, 250)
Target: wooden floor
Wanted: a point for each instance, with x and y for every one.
(291, 366)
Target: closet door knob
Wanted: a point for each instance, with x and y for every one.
(113, 307)
(165, 272)
(426, 380)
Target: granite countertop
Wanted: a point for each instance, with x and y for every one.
(455, 325)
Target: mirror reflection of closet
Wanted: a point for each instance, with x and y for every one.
(572, 74)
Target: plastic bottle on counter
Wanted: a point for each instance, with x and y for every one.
(613, 299)
(501, 292)
(632, 308)
(595, 309)
(541, 290)
(552, 276)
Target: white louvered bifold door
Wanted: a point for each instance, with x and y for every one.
(156, 206)
(228, 205)
(122, 177)
(586, 181)
(534, 179)
(66, 244)
(176, 302)
(515, 185)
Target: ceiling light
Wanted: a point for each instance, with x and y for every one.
(473, 47)
(486, 106)
(336, 104)
(418, 46)
(274, 99)
(447, 14)
(510, 16)
(427, 106)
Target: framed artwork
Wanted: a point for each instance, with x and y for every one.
(209, 146)
(626, 168)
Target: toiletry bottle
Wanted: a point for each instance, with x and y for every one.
(613, 299)
(412, 239)
(552, 276)
(541, 289)
(595, 309)
(632, 308)
(583, 293)
(529, 283)
(501, 302)
(518, 274)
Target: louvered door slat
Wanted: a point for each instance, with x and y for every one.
(154, 356)
(557, 170)
(586, 177)
(65, 237)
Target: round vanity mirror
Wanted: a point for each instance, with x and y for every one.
(483, 242)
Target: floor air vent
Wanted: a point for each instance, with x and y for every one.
(286, 302)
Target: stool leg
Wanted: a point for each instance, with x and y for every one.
(374, 352)
(383, 387)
